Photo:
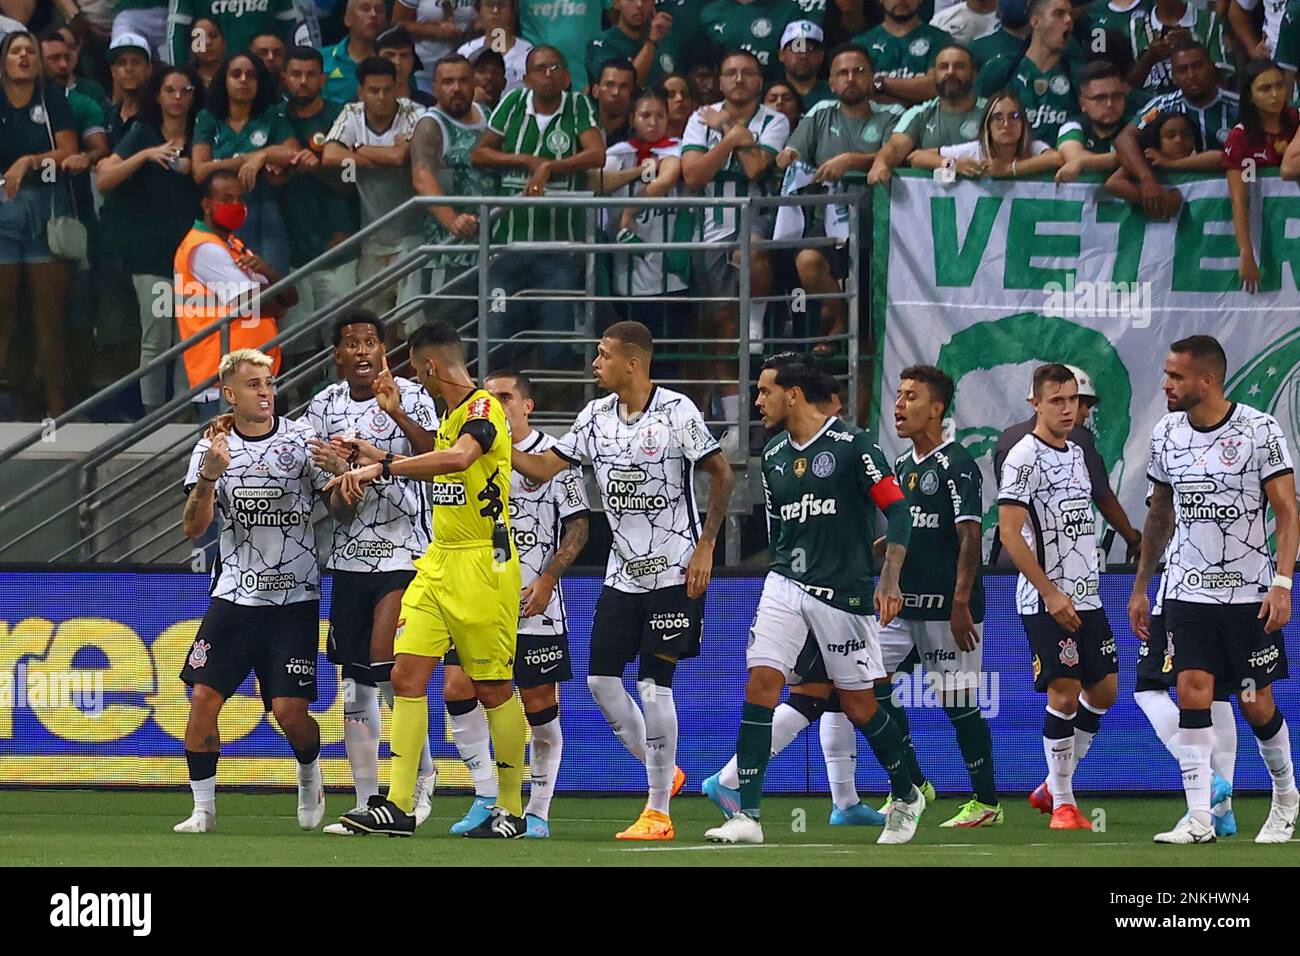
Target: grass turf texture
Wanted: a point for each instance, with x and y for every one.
(89, 828)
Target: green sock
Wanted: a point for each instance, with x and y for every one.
(753, 750)
(886, 742)
(885, 698)
(976, 746)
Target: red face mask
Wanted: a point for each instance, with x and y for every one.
(229, 215)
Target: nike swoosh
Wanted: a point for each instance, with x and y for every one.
(669, 637)
(547, 670)
(304, 683)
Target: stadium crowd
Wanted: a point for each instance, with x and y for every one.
(282, 128)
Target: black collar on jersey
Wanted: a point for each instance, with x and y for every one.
(1065, 447)
(537, 440)
(1232, 409)
(472, 392)
(275, 427)
(649, 400)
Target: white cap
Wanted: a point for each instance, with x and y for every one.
(1086, 389)
(129, 41)
(802, 28)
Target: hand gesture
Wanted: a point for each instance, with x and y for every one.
(386, 393)
(351, 485)
(356, 451)
(326, 457)
(221, 425)
(660, 25)
(216, 459)
(537, 596)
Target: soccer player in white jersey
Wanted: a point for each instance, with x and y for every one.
(549, 522)
(1047, 525)
(1216, 464)
(265, 611)
(372, 555)
(644, 442)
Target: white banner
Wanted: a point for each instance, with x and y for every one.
(989, 279)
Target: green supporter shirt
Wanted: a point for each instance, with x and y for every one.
(23, 131)
(1213, 121)
(1103, 16)
(457, 177)
(943, 490)
(1048, 98)
(566, 25)
(147, 216)
(685, 45)
(313, 212)
(756, 27)
(996, 44)
(89, 117)
(1287, 54)
(340, 73)
(820, 93)
(614, 44)
(905, 56)
(269, 129)
(521, 132)
(821, 503)
(929, 126)
(828, 132)
(1079, 129)
(1205, 26)
(239, 21)
(89, 87)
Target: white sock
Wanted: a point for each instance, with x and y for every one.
(1276, 752)
(544, 765)
(1060, 764)
(385, 688)
(660, 742)
(787, 724)
(473, 740)
(309, 782)
(839, 741)
(1196, 744)
(205, 795)
(1223, 759)
(1083, 738)
(361, 737)
(621, 712)
(1162, 712)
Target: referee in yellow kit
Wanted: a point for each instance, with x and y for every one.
(466, 588)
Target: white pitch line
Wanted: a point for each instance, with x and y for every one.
(725, 846)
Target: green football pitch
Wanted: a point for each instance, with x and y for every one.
(94, 828)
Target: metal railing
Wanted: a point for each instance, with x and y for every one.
(111, 539)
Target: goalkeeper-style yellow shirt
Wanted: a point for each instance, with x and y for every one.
(468, 505)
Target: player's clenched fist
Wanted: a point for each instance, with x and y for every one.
(1061, 608)
(216, 459)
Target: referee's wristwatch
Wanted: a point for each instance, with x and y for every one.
(384, 470)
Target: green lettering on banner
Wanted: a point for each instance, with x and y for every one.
(1128, 240)
(1193, 244)
(956, 264)
(1024, 242)
(1275, 248)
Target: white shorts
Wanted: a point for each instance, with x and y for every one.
(786, 613)
(938, 650)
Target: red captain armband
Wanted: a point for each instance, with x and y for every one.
(886, 492)
(479, 408)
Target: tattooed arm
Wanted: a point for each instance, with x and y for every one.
(426, 163)
(721, 481)
(537, 595)
(1157, 531)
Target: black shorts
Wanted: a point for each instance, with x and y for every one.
(658, 622)
(1226, 640)
(278, 643)
(352, 617)
(1155, 666)
(1087, 655)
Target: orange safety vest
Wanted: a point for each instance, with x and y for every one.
(196, 310)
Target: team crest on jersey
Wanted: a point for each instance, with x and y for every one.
(667, 65)
(929, 483)
(761, 27)
(199, 654)
(317, 142)
(800, 467)
(558, 142)
(1040, 87)
(1069, 652)
(287, 457)
(652, 442)
(919, 47)
(380, 422)
(38, 114)
(823, 465)
(1060, 85)
(1230, 451)
(1222, 136)
(257, 138)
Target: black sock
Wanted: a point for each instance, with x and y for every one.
(202, 764)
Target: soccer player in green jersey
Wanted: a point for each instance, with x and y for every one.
(823, 482)
(943, 596)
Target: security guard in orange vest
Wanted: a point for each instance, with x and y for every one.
(216, 275)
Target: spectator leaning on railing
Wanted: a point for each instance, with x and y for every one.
(151, 202)
(1260, 140)
(371, 139)
(950, 118)
(1167, 140)
(319, 209)
(438, 27)
(1087, 140)
(1212, 110)
(1005, 146)
(39, 133)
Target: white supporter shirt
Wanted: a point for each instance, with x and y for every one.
(771, 130)
(537, 513)
(642, 274)
(975, 150)
(964, 24)
(430, 52)
(516, 59)
(215, 269)
(1053, 484)
(645, 469)
(1274, 10)
(264, 500)
(391, 527)
(1219, 551)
